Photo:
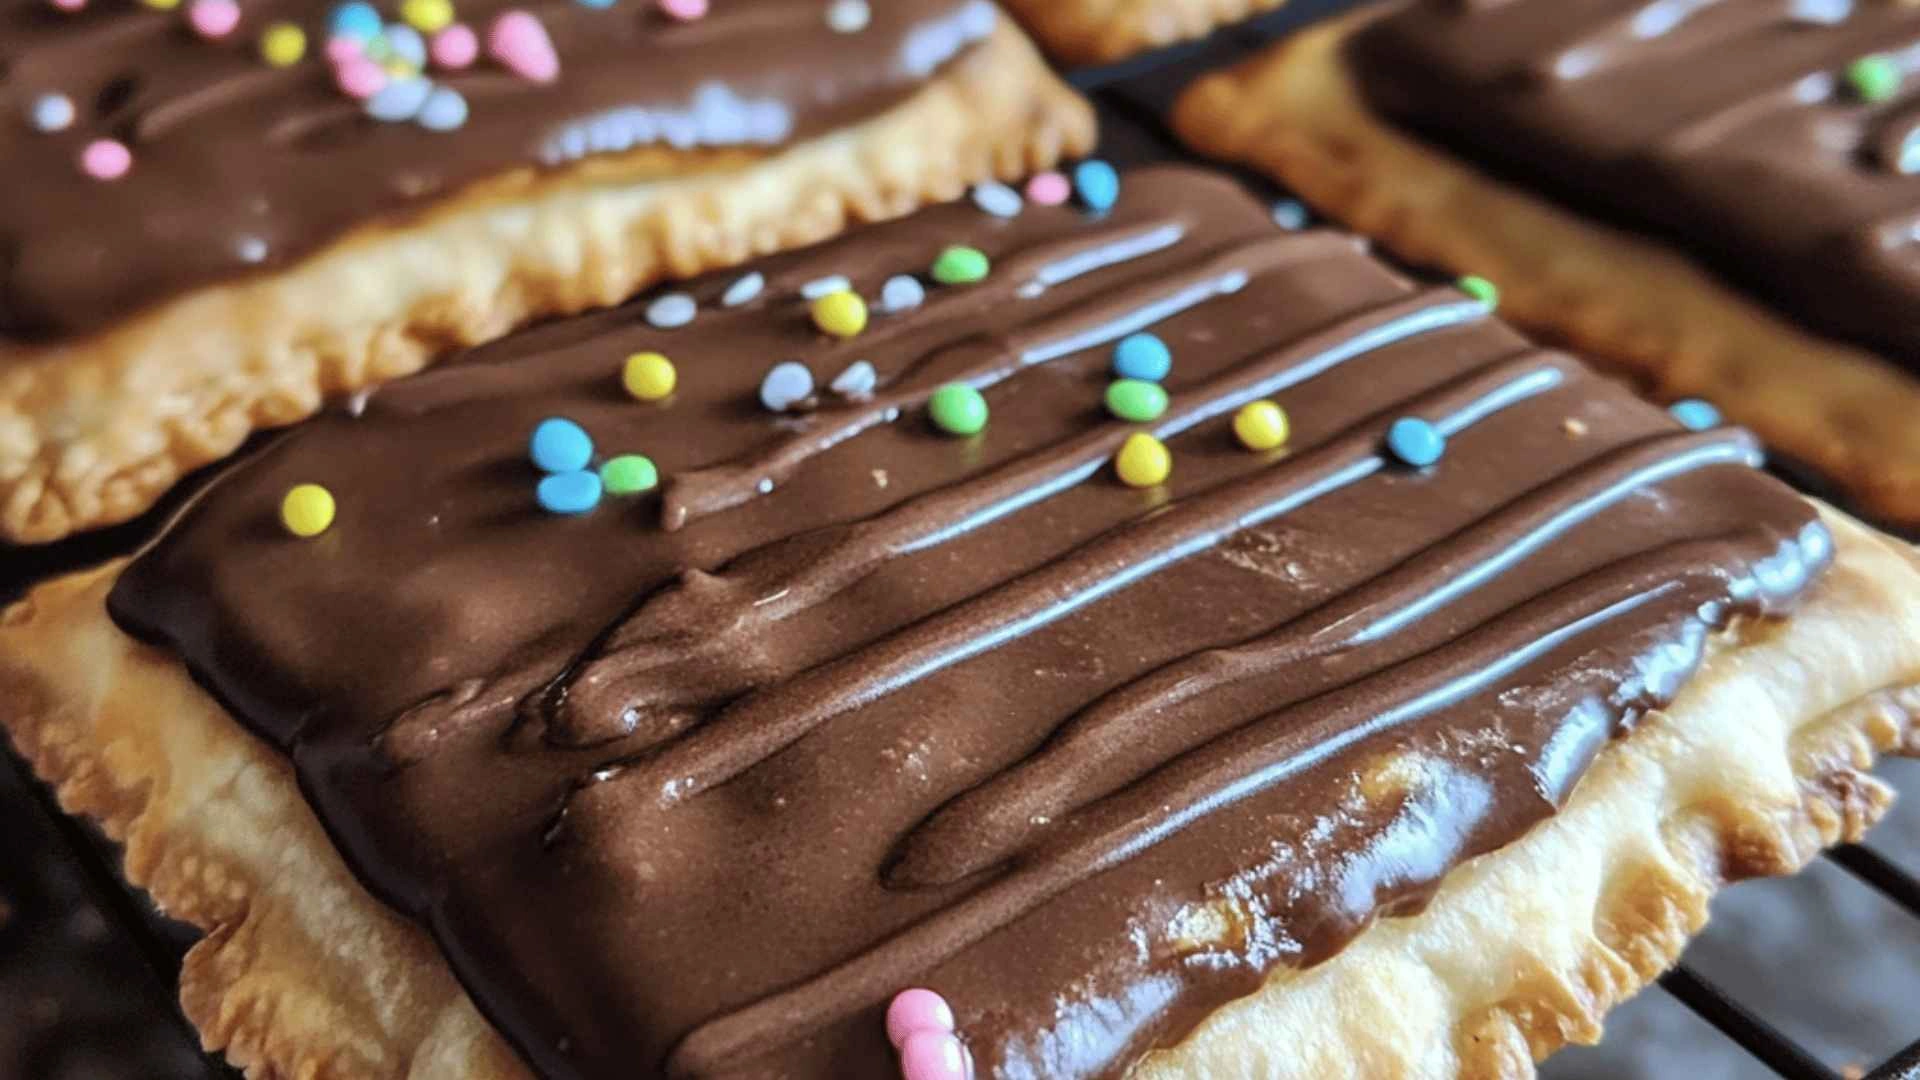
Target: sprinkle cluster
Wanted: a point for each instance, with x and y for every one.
(564, 452)
(920, 1026)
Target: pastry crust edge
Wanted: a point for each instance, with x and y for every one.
(1104, 31)
(94, 430)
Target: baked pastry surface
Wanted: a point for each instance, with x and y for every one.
(109, 403)
(1625, 298)
(1345, 737)
(1101, 31)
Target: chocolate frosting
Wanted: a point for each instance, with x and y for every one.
(892, 708)
(1727, 126)
(239, 166)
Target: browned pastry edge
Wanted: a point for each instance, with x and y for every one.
(1619, 298)
(1102, 31)
(93, 431)
(1756, 766)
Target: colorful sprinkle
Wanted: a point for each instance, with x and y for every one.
(427, 16)
(672, 311)
(569, 492)
(1098, 184)
(933, 1055)
(1261, 425)
(998, 199)
(1049, 189)
(213, 19)
(788, 384)
(399, 99)
(961, 265)
(902, 292)
(360, 77)
(848, 16)
(1143, 461)
(340, 50)
(1820, 12)
(1874, 78)
(1291, 214)
(455, 48)
(559, 445)
(649, 376)
(1416, 442)
(1480, 289)
(307, 511)
(405, 43)
(1142, 356)
(629, 474)
(597, 5)
(1136, 400)
(958, 409)
(51, 112)
(841, 314)
(356, 20)
(857, 382)
(520, 43)
(1695, 415)
(69, 5)
(161, 5)
(826, 286)
(744, 290)
(283, 45)
(917, 1010)
(106, 159)
(684, 10)
(444, 110)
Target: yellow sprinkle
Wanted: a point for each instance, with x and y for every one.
(649, 376)
(400, 68)
(161, 5)
(1261, 425)
(307, 511)
(283, 45)
(1143, 461)
(842, 314)
(427, 16)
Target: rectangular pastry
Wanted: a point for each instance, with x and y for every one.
(1720, 197)
(223, 214)
(1101, 31)
(1189, 647)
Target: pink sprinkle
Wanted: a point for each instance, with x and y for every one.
(455, 47)
(213, 18)
(69, 5)
(685, 10)
(360, 77)
(1049, 189)
(341, 48)
(519, 41)
(933, 1055)
(917, 1010)
(106, 159)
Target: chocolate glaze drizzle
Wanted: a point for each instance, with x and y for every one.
(1728, 126)
(239, 166)
(891, 708)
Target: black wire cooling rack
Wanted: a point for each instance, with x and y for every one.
(1134, 98)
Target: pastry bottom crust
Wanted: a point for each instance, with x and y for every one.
(1616, 297)
(1757, 764)
(1102, 31)
(93, 431)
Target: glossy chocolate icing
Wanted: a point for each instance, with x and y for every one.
(239, 166)
(1727, 126)
(892, 708)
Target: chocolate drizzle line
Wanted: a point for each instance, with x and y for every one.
(1726, 126)
(969, 713)
(239, 166)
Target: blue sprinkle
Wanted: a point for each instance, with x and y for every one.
(401, 99)
(1416, 442)
(1142, 356)
(356, 20)
(560, 446)
(405, 42)
(569, 492)
(444, 110)
(1291, 215)
(1098, 185)
(598, 4)
(1695, 414)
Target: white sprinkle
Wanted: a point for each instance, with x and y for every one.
(788, 384)
(51, 112)
(826, 286)
(1290, 215)
(1820, 12)
(901, 293)
(251, 249)
(857, 381)
(671, 311)
(444, 110)
(848, 16)
(744, 290)
(399, 100)
(998, 199)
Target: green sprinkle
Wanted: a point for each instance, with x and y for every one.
(629, 474)
(1136, 400)
(1874, 78)
(1480, 289)
(958, 409)
(960, 265)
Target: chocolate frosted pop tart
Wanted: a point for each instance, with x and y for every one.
(1720, 198)
(1099, 31)
(1190, 648)
(221, 214)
